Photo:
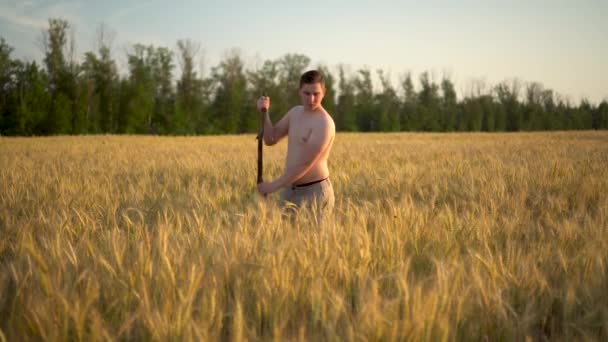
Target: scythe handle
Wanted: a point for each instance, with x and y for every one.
(260, 146)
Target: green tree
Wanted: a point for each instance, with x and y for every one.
(7, 88)
(329, 101)
(500, 117)
(141, 91)
(428, 99)
(190, 112)
(291, 67)
(409, 118)
(508, 96)
(229, 106)
(387, 106)
(125, 96)
(265, 81)
(55, 42)
(448, 105)
(100, 79)
(345, 108)
(549, 110)
(584, 115)
(364, 101)
(164, 100)
(532, 110)
(31, 100)
(5, 72)
(472, 114)
(600, 116)
(488, 121)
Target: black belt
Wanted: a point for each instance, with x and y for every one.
(308, 184)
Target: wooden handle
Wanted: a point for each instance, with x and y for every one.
(260, 148)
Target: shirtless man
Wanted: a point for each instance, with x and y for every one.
(310, 131)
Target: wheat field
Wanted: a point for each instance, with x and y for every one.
(433, 237)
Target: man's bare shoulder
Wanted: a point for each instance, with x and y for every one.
(328, 121)
(296, 110)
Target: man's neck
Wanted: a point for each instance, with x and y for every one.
(315, 110)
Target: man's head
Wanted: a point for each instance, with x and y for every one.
(312, 89)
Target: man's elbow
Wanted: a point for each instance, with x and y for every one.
(269, 141)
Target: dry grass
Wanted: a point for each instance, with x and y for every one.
(434, 237)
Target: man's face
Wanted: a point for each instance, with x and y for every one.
(312, 95)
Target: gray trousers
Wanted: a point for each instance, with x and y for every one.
(317, 198)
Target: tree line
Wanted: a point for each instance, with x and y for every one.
(63, 95)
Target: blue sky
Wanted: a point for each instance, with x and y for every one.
(562, 44)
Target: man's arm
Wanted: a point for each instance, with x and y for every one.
(319, 140)
(273, 134)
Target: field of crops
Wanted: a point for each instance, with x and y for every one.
(433, 237)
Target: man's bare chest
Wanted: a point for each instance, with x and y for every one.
(301, 131)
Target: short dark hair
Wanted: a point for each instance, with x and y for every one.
(311, 77)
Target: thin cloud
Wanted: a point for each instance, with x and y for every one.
(10, 14)
(68, 10)
(29, 15)
(123, 12)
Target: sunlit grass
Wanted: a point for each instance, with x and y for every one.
(434, 236)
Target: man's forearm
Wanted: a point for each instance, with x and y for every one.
(292, 174)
